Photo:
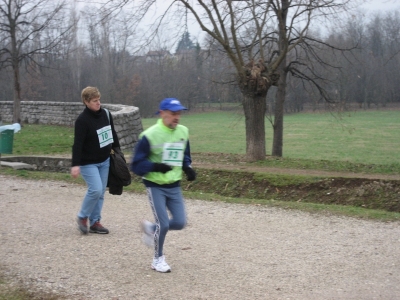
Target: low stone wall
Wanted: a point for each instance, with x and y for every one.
(42, 163)
(45, 163)
(127, 122)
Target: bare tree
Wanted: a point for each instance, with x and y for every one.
(240, 28)
(257, 36)
(306, 60)
(22, 23)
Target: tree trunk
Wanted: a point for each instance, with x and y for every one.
(277, 146)
(17, 97)
(254, 109)
(17, 85)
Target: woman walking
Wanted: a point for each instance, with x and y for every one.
(94, 138)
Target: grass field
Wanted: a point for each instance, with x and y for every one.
(368, 137)
(43, 140)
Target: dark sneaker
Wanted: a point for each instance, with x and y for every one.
(82, 225)
(98, 228)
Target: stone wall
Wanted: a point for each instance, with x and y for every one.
(127, 122)
(41, 163)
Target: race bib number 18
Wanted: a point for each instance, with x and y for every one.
(105, 136)
(173, 154)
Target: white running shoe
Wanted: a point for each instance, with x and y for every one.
(148, 233)
(160, 265)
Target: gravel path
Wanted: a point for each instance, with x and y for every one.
(227, 251)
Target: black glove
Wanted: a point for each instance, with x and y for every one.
(160, 167)
(190, 173)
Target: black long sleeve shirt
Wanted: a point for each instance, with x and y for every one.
(86, 149)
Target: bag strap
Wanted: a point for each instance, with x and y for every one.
(108, 115)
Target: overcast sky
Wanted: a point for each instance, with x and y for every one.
(370, 7)
(381, 5)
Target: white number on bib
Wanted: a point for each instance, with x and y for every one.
(173, 154)
(105, 136)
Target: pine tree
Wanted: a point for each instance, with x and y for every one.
(185, 43)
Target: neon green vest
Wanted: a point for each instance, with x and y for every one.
(158, 135)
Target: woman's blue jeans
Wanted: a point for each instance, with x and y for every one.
(96, 177)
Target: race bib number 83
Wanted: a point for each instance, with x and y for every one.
(173, 154)
(105, 136)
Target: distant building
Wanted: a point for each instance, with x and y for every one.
(158, 56)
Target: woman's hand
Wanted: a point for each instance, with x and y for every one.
(75, 171)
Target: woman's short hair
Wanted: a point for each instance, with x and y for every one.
(89, 93)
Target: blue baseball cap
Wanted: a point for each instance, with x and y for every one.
(171, 104)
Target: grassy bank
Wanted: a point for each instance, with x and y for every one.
(361, 142)
(356, 197)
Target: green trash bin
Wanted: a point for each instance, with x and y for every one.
(6, 141)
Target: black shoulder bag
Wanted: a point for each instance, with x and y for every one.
(119, 174)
